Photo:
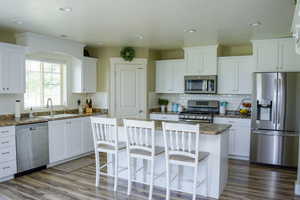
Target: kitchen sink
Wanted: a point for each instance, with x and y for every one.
(58, 116)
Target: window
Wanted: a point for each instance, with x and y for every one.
(44, 80)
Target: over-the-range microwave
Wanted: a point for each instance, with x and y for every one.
(200, 84)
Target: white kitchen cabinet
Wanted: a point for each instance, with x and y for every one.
(57, 140)
(8, 163)
(235, 75)
(69, 138)
(164, 117)
(84, 75)
(87, 135)
(12, 69)
(276, 55)
(64, 139)
(201, 60)
(170, 76)
(73, 137)
(289, 60)
(239, 136)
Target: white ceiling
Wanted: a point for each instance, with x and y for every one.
(161, 22)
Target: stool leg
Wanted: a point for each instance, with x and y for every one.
(134, 168)
(151, 179)
(97, 169)
(168, 180)
(129, 176)
(195, 181)
(207, 177)
(116, 172)
(145, 167)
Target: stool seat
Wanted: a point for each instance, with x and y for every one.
(201, 156)
(158, 150)
(121, 145)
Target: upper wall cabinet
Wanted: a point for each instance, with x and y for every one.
(170, 76)
(12, 69)
(276, 55)
(235, 75)
(84, 75)
(201, 60)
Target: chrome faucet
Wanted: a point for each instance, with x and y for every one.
(50, 106)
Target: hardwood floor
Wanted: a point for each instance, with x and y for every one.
(245, 182)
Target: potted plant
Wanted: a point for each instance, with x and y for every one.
(163, 103)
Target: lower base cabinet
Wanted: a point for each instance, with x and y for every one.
(239, 137)
(69, 138)
(8, 163)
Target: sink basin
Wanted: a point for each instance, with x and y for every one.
(58, 116)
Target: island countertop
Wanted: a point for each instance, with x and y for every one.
(205, 128)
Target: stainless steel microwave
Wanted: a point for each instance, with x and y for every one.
(200, 84)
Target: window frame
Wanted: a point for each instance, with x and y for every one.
(63, 91)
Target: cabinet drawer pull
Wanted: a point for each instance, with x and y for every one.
(6, 142)
(4, 168)
(4, 153)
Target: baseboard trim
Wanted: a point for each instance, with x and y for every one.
(238, 157)
(69, 159)
(6, 178)
(297, 188)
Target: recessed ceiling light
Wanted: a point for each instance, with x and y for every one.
(17, 21)
(190, 30)
(65, 9)
(140, 37)
(255, 24)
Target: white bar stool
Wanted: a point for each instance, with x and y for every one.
(105, 133)
(180, 140)
(141, 144)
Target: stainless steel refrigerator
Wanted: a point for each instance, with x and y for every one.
(275, 119)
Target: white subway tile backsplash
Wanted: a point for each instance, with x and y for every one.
(233, 100)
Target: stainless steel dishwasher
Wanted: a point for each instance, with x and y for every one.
(32, 147)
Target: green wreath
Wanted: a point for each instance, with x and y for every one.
(127, 53)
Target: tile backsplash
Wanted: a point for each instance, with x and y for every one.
(233, 100)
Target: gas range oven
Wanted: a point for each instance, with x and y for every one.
(200, 111)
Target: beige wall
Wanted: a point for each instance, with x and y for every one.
(171, 54)
(103, 67)
(238, 50)
(7, 36)
(153, 56)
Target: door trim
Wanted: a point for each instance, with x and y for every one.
(113, 62)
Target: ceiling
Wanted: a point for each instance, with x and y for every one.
(160, 22)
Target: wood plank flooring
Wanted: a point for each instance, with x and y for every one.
(246, 181)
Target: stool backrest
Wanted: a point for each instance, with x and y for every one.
(140, 135)
(104, 131)
(181, 139)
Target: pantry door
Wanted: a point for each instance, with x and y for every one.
(129, 88)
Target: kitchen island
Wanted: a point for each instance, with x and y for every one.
(213, 139)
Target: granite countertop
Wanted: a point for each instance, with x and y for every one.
(228, 115)
(205, 128)
(234, 116)
(40, 119)
(165, 113)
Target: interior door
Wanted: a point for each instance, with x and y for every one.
(130, 91)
